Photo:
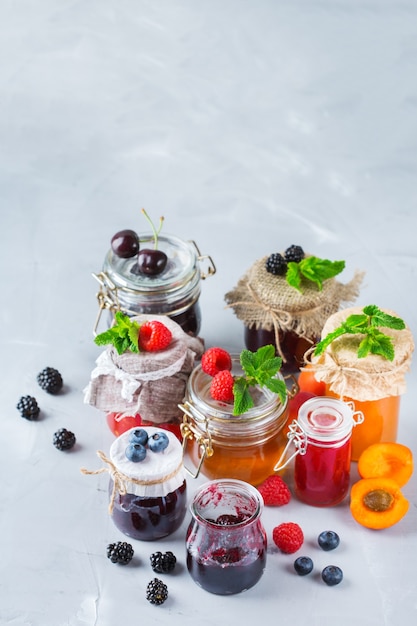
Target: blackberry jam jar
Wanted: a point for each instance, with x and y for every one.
(220, 445)
(147, 498)
(174, 292)
(322, 439)
(226, 542)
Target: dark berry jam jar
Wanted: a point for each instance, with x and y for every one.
(292, 347)
(221, 445)
(322, 439)
(174, 292)
(226, 542)
(148, 498)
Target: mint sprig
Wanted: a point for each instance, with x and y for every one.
(313, 269)
(260, 368)
(368, 324)
(123, 335)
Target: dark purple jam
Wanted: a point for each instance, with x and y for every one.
(189, 320)
(150, 518)
(293, 346)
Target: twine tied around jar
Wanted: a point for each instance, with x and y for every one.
(121, 480)
(264, 300)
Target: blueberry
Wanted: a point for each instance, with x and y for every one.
(332, 575)
(328, 540)
(135, 452)
(303, 565)
(139, 435)
(158, 442)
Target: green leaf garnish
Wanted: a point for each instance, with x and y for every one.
(123, 335)
(313, 269)
(368, 323)
(260, 368)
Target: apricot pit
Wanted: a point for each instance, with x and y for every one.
(377, 502)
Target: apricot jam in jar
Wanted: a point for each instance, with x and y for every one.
(373, 382)
(174, 292)
(226, 543)
(221, 445)
(321, 435)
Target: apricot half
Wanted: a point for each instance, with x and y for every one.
(377, 502)
(386, 460)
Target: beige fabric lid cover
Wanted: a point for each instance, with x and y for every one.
(266, 301)
(149, 383)
(363, 379)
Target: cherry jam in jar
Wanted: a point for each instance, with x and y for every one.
(292, 346)
(322, 438)
(226, 542)
(174, 292)
(148, 499)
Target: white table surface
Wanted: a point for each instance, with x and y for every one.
(250, 126)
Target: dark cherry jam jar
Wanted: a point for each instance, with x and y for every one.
(226, 542)
(174, 292)
(148, 498)
(322, 439)
(292, 346)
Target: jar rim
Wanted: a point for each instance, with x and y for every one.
(221, 487)
(324, 418)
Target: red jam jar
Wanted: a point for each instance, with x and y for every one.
(174, 292)
(147, 498)
(221, 445)
(226, 543)
(322, 439)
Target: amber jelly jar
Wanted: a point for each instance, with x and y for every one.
(220, 445)
(174, 292)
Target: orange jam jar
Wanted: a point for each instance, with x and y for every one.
(372, 383)
(220, 445)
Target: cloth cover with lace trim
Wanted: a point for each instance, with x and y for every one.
(149, 383)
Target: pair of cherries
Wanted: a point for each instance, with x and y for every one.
(150, 261)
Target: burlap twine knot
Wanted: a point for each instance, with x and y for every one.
(265, 301)
(121, 480)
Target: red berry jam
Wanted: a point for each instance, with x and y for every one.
(226, 542)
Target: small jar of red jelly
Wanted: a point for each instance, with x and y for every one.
(174, 292)
(148, 498)
(226, 543)
(321, 436)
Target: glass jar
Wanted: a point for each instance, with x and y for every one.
(373, 383)
(292, 347)
(147, 499)
(221, 445)
(174, 292)
(322, 439)
(226, 542)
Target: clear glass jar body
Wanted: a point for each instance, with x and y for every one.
(244, 447)
(151, 517)
(174, 292)
(226, 542)
(380, 423)
(293, 347)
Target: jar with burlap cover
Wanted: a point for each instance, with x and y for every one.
(149, 383)
(370, 378)
(263, 300)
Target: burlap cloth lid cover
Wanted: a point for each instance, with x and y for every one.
(370, 378)
(264, 300)
(149, 383)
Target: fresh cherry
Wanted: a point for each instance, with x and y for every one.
(150, 262)
(125, 243)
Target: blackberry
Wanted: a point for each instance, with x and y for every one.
(276, 264)
(163, 563)
(294, 253)
(63, 439)
(50, 380)
(156, 591)
(120, 552)
(28, 408)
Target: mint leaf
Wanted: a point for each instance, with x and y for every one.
(317, 270)
(123, 335)
(279, 387)
(293, 275)
(379, 318)
(247, 361)
(376, 343)
(242, 399)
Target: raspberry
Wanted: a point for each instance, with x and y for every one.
(154, 336)
(274, 491)
(215, 360)
(288, 537)
(221, 387)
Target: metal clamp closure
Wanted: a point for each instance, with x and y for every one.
(296, 436)
(211, 269)
(189, 432)
(107, 297)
